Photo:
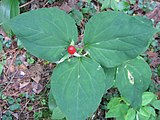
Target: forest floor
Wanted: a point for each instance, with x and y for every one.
(25, 80)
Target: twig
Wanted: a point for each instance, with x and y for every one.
(40, 108)
(46, 2)
(14, 57)
(9, 81)
(26, 4)
(10, 51)
(24, 106)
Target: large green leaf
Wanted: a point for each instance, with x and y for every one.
(114, 37)
(14, 8)
(4, 10)
(45, 33)
(57, 114)
(8, 9)
(132, 79)
(110, 77)
(78, 86)
(51, 101)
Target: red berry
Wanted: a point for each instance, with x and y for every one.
(71, 49)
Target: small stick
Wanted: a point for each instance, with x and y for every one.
(26, 4)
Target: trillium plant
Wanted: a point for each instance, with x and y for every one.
(109, 55)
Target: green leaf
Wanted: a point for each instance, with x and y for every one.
(57, 114)
(146, 112)
(109, 4)
(110, 77)
(156, 104)
(78, 86)
(1, 68)
(51, 1)
(4, 10)
(85, 10)
(30, 108)
(141, 117)
(10, 100)
(113, 102)
(8, 9)
(77, 16)
(147, 98)
(105, 4)
(123, 5)
(46, 33)
(132, 1)
(14, 8)
(88, 1)
(1, 47)
(4, 15)
(119, 111)
(153, 118)
(150, 110)
(158, 70)
(51, 101)
(131, 114)
(114, 5)
(112, 38)
(7, 117)
(14, 107)
(132, 79)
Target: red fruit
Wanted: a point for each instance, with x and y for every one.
(71, 50)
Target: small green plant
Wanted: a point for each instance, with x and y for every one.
(121, 110)
(108, 55)
(29, 58)
(7, 116)
(12, 106)
(121, 5)
(37, 115)
(146, 5)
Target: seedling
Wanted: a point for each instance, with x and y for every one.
(119, 109)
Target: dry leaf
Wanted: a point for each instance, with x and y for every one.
(37, 78)
(37, 88)
(22, 85)
(65, 7)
